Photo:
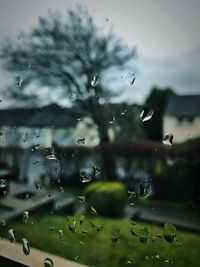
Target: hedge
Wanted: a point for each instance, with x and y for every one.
(108, 198)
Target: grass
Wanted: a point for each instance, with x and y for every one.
(97, 248)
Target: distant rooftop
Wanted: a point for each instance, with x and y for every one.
(51, 115)
(183, 105)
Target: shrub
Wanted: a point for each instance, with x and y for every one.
(108, 198)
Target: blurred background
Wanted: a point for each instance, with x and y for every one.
(99, 133)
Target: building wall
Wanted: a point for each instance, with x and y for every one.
(25, 137)
(181, 131)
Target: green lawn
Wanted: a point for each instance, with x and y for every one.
(96, 249)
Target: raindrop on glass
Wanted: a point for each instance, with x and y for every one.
(144, 235)
(146, 114)
(93, 211)
(168, 139)
(25, 216)
(169, 232)
(25, 137)
(35, 161)
(82, 243)
(145, 189)
(26, 246)
(132, 194)
(3, 183)
(116, 234)
(19, 81)
(81, 141)
(61, 235)
(48, 262)
(3, 223)
(81, 198)
(95, 171)
(82, 218)
(51, 155)
(130, 78)
(12, 236)
(38, 185)
(73, 227)
(84, 177)
(95, 80)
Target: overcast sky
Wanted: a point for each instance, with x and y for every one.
(162, 30)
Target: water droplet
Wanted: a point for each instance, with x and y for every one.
(73, 97)
(130, 78)
(157, 256)
(35, 161)
(61, 189)
(82, 218)
(116, 234)
(48, 262)
(99, 227)
(19, 81)
(113, 120)
(3, 183)
(146, 114)
(84, 177)
(144, 235)
(73, 227)
(93, 211)
(76, 258)
(84, 231)
(26, 246)
(82, 243)
(168, 139)
(145, 189)
(132, 194)
(95, 171)
(123, 112)
(12, 236)
(159, 235)
(25, 216)
(133, 232)
(81, 198)
(95, 80)
(81, 141)
(53, 166)
(92, 223)
(3, 223)
(61, 235)
(169, 232)
(25, 137)
(38, 185)
(51, 155)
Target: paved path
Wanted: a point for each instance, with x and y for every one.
(182, 220)
(13, 251)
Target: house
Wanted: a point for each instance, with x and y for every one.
(182, 117)
(32, 130)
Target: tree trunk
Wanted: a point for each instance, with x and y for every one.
(107, 157)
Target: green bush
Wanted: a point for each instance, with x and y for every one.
(108, 198)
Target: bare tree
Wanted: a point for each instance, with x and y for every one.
(69, 54)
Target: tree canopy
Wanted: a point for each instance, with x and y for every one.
(157, 101)
(68, 53)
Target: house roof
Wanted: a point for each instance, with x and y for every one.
(51, 115)
(183, 105)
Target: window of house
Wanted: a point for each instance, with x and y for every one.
(185, 120)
